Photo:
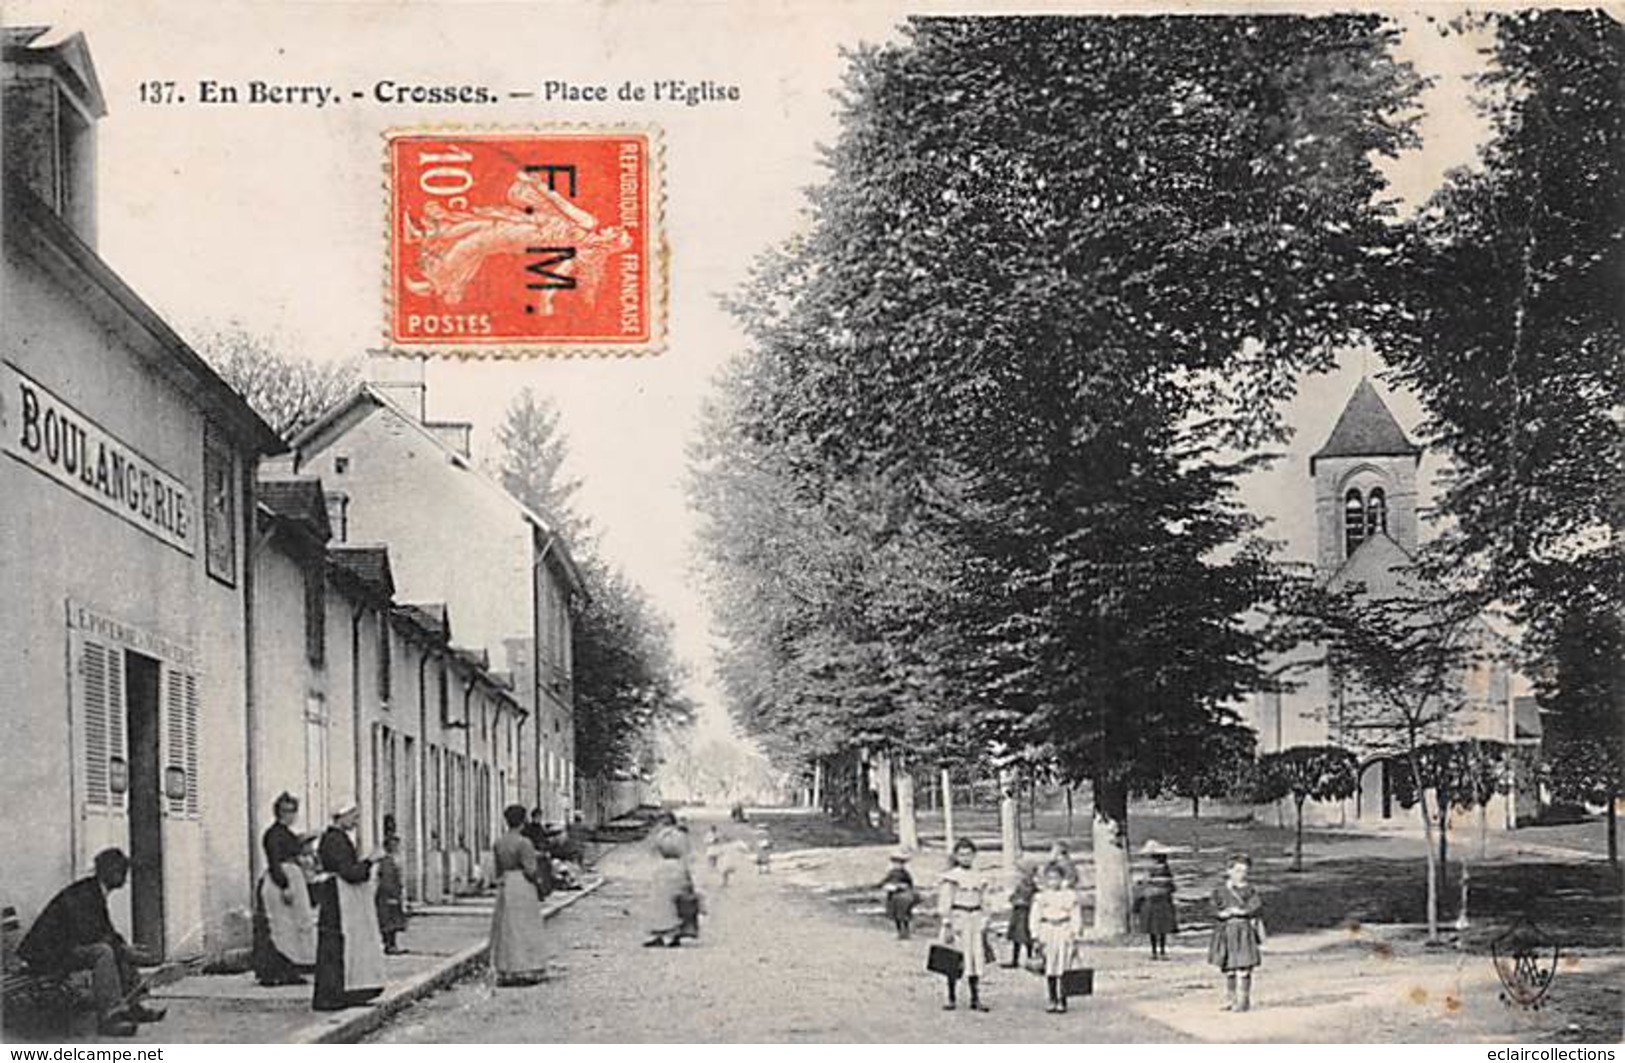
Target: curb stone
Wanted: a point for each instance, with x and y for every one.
(349, 1026)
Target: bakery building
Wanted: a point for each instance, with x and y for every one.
(127, 470)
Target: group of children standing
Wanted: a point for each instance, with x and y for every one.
(1046, 920)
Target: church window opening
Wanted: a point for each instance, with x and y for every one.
(1376, 512)
(1354, 526)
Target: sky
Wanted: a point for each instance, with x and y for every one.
(274, 218)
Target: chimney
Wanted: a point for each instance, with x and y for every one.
(52, 102)
(455, 434)
(399, 378)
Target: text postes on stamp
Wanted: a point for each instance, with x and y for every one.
(533, 242)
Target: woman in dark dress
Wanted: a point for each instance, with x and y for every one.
(349, 949)
(1157, 901)
(284, 925)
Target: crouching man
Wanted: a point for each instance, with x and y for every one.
(74, 933)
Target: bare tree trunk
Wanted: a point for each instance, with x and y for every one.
(1196, 806)
(1613, 829)
(1111, 859)
(884, 779)
(908, 824)
(1432, 858)
(948, 809)
(1297, 844)
(1069, 810)
(818, 784)
(1010, 817)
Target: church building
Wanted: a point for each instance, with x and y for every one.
(1367, 532)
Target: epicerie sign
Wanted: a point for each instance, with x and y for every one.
(43, 431)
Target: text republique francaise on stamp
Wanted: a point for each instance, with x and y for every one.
(525, 242)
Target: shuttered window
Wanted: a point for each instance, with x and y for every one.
(180, 746)
(101, 718)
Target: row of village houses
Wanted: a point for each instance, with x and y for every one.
(200, 615)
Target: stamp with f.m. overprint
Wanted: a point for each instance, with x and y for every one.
(525, 242)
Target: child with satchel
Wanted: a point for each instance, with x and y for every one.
(1058, 923)
(962, 906)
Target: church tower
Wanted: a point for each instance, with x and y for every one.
(1365, 482)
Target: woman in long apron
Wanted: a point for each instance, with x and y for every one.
(516, 925)
(349, 949)
(284, 924)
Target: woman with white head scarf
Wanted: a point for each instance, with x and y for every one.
(349, 948)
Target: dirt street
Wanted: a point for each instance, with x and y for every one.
(773, 964)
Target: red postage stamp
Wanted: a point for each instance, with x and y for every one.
(534, 242)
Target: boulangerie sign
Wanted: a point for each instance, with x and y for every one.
(48, 434)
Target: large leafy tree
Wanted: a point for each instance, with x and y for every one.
(1058, 266)
(1514, 336)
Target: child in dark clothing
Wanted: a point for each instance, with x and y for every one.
(1020, 932)
(898, 886)
(388, 900)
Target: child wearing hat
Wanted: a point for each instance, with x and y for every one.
(1156, 900)
(1237, 934)
(898, 886)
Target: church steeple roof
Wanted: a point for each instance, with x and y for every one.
(1366, 429)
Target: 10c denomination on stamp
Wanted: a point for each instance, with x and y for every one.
(525, 242)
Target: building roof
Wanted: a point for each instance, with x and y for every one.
(32, 225)
(1366, 428)
(297, 498)
(343, 415)
(367, 563)
(68, 58)
(431, 618)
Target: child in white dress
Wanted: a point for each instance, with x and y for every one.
(962, 905)
(1057, 924)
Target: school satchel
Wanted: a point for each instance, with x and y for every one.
(1077, 980)
(945, 960)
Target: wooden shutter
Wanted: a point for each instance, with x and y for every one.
(101, 722)
(180, 739)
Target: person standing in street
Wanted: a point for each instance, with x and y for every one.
(962, 907)
(1237, 934)
(671, 880)
(349, 948)
(284, 923)
(391, 900)
(1020, 931)
(1156, 900)
(898, 887)
(1058, 920)
(75, 933)
(517, 954)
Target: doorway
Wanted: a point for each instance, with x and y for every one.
(142, 728)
